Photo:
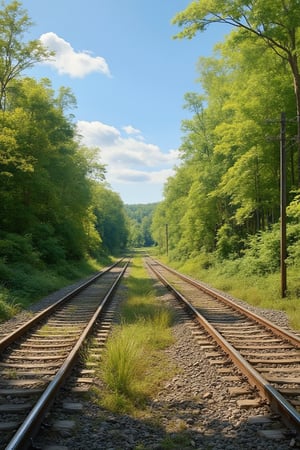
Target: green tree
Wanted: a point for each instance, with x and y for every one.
(135, 238)
(111, 222)
(46, 187)
(230, 168)
(275, 22)
(251, 176)
(15, 55)
(140, 220)
(54, 203)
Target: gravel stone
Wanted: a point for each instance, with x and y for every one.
(193, 410)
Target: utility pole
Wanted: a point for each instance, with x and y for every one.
(167, 239)
(283, 253)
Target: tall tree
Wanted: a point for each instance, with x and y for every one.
(230, 169)
(111, 222)
(16, 55)
(275, 22)
(44, 175)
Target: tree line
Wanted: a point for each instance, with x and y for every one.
(224, 196)
(55, 203)
(140, 221)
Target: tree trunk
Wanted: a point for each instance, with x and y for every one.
(296, 78)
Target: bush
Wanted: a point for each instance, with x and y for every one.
(6, 273)
(14, 247)
(263, 253)
(228, 242)
(49, 246)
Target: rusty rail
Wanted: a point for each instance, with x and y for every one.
(23, 437)
(278, 403)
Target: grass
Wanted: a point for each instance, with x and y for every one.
(25, 284)
(134, 365)
(8, 305)
(123, 361)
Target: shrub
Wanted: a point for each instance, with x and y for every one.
(263, 253)
(14, 247)
(122, 361)
(49, 246)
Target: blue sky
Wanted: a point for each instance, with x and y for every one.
(129, 78)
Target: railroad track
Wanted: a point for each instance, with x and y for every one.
(37, 358)
(269, 356)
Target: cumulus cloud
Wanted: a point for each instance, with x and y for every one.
(98, 134)
(69, 62)
(128, 159)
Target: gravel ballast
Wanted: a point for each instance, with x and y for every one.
(192, 410)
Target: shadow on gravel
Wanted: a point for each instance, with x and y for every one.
(219, 317)
(171, 426)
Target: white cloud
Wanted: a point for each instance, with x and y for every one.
(128, 159)
(98, 134)
(69, 62)
(131, 130)
(130, 175)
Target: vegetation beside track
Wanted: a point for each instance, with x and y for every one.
(57, 212)
(25, 283)
(134, 363)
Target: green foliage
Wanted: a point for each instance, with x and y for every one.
(228, 243)
(15, 55)
(14, 248)
(263, 253)
(110, 218)
(22, 283)
(55, 211)
(47, 243)
(224, 197)
(166, 224)
(140, 220)
(260, 19)
(178, 439)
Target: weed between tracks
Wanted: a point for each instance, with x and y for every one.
(134, 364)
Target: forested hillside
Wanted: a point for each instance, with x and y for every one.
(55, 205)
(140, 221)
(223, 201)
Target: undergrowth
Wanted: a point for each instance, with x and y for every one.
(21, 284)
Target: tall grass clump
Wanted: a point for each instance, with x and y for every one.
(8, 306)
(122, 361)
(133, 364)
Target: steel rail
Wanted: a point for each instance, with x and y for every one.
(279, 331)
(289, 415)
(10, 338)
(24, 436)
